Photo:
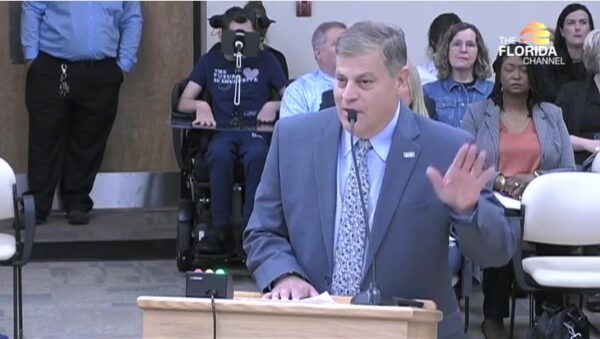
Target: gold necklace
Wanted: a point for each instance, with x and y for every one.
(515, 127)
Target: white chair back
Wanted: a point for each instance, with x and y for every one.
(563, 209)
(596, 163)
(7, 181)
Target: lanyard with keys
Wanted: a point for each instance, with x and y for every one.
(63, 87)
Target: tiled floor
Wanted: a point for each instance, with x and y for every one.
(96, 299)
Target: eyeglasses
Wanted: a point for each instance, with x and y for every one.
(458, 44)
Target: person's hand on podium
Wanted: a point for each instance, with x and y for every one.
(268, 112)
(204, 115)
(291, 287)
(461, 186)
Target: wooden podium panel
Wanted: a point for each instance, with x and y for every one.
(248, 316)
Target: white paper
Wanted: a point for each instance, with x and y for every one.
(323, 298)
(508, 202)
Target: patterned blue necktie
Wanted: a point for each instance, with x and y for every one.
(351, 233)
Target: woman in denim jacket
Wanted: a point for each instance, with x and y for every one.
(463, 66)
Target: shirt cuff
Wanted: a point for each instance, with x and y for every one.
(125, 64)
(463, 218)
(30, 53)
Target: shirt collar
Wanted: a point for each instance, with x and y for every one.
(381, 142)
(320, 74)
(479, 85)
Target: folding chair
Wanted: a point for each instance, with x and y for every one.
(559, 209)
(15, 251)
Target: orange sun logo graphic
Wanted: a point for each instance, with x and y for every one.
(537, 33)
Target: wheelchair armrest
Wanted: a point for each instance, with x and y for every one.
(176, 93)
(179, 135)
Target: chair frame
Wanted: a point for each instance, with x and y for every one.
(524, 283)
(24, 208)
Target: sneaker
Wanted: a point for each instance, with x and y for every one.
(77, 217)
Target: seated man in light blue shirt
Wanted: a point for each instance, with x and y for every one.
(304, 94)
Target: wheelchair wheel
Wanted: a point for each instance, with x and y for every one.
(185, 221)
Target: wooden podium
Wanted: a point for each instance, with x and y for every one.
(248, 316)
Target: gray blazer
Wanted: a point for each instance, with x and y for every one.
(292, 226)
(482, 119)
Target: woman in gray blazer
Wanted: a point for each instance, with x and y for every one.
(523, 138)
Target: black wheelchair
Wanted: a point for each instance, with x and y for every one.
(194, 210)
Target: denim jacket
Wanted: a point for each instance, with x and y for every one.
(452, 98)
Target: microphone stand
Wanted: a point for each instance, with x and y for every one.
(372, 295)
(237, 119)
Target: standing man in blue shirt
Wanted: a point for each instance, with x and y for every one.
(305, 93)
(76, 54)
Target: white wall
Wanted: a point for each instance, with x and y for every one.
(291, 34)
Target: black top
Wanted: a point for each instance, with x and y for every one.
(590, 124)
(580, 103)
(277, 54)
(552, 77)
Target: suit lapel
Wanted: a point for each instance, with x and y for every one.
(325, 169)
(543, 130)
(400, 163)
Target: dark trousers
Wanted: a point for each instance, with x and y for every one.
(497, 283)
(67, 134)
(224, 150)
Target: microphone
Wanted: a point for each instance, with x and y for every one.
(239, 40)
(238, 45)
(372, 295)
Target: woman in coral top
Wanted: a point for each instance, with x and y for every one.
(523, 138)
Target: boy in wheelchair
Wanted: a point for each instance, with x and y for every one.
(215, 73)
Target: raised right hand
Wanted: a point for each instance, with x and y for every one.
(204, 115)
(292, 287)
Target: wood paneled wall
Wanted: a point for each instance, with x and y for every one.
(140, 139)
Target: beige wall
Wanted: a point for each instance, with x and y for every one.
(140, 139)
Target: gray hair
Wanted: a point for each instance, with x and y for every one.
(319, 38)
(366, 36)
(591, 52)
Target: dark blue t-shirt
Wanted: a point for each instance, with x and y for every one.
(259, 76)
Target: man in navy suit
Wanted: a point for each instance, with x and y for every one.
(418, 176)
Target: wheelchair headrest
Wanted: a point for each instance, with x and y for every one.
(240, 15)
